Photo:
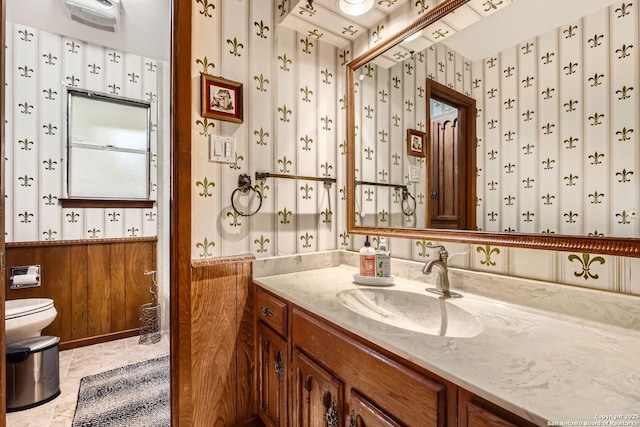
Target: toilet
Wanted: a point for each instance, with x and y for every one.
(26, 318)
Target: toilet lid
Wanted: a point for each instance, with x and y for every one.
(24, 307)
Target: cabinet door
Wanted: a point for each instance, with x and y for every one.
(272, 377)
(409, 397)
(363, 413)
(477, 412)
(318, 395)
(477, 416)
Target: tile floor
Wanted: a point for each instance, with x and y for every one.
(78, 363)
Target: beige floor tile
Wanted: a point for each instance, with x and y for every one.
(36, 417)
(78, 363)
(138, 352)
(65, 360)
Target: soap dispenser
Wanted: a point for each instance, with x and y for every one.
(367, 259)
(383, 260)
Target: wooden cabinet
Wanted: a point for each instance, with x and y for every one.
(394, 392)
(318, 395)
(311, 373)
(272, 359)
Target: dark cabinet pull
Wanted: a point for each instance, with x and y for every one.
(332, 414)
(266, 312)
(279, 365)
(352, 419)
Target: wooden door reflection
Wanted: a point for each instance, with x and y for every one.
(444, 183)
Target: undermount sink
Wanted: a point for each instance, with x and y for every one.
(411, 311)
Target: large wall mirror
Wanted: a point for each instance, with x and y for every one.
(551, 155)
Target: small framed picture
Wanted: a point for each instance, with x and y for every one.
(221, 99)
(416, 143)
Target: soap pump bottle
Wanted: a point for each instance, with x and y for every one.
(383, 260)
(367, 259)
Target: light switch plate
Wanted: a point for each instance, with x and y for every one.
(222, 149)
(414, 173)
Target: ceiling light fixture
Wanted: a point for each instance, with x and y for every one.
(355, 7)
(413, 36)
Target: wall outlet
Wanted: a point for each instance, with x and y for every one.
(222, 149)
(414, 174)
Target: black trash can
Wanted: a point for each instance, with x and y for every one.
(32, 372)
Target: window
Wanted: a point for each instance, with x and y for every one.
(108, 148)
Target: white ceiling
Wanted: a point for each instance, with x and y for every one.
(325, 22)
(517, 23)
(475, 30)
(144, 28)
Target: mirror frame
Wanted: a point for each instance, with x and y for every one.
(602, 245)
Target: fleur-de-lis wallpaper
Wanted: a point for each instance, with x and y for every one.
(284, 130)
(556, 119)
(293, 81)
(564, 116)
(37, 62)
(398, 94)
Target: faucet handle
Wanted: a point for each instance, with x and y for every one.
(442, 253)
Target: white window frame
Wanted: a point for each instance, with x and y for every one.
(110, 148)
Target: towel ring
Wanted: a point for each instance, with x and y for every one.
(244, 186)
(406, 207)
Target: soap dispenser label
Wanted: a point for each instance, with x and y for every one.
(368, 265)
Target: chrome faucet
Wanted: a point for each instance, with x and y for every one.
(442, 279)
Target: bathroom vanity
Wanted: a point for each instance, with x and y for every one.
(332, 374)
(320, 358)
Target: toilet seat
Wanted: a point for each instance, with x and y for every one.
(15, 309)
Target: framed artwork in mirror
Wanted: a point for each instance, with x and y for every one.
(221, 99)
(416, 143)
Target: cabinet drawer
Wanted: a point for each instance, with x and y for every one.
(404, 395)
(272, 311)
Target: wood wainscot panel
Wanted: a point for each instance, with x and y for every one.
(99, 289)
(55, 270)
(79, 292)
(139, 257)
(246, 390)
(57, 259)
(96, 285)
(118, 294)
(222, 341)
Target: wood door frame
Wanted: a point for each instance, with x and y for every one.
(3, 364)
(180, 235)
(180, 215)
(467, 155)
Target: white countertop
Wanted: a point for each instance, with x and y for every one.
(544, 367)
